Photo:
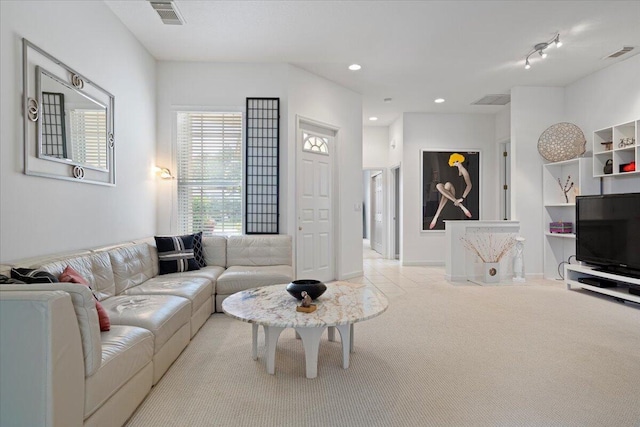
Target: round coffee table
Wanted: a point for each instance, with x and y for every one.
(342, 305)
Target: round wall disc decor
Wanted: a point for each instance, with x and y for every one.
(562, 141)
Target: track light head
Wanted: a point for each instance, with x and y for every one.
(542, 53)
(527, 65)
(557, 41)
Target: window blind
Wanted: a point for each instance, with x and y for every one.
(89, 137)
(209, 156)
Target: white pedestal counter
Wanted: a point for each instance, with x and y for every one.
(460, 264)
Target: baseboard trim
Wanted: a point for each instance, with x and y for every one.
(352, 275)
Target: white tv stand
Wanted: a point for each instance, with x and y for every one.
(572, 272)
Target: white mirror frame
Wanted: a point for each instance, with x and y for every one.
(33, 60)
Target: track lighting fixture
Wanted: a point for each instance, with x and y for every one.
(540, 48)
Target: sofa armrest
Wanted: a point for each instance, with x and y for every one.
(41, 365)
(84, 305)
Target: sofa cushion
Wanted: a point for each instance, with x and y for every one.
(175, 254)
(72, 276)
(95, 269)
(259, 250)
(125, 351)
(163, 315)
(132, 265)
(29, 275)
(196, 289)
(240, 278)
(210, 272)
(215, 250)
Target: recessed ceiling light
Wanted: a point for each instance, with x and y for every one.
(439, 100)
(354, 67)
(373, 118)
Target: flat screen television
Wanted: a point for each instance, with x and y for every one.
(608, 232)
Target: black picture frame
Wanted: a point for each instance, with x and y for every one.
(440, 174)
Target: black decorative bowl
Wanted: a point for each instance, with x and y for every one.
(314, 288)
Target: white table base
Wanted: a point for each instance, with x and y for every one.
(310, 341)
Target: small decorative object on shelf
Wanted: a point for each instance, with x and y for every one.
(628, 167)
(561, 227)
(608, 167)
(566, 188)
(314, 288)
(306, 306)
(626, 142)
(562, 141)
(608, 145)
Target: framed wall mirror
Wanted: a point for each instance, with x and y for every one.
(68, 122)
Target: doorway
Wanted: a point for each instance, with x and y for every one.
(374, 210)
(315, 241)
(395, 212)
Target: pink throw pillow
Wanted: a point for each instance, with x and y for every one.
(72, 276)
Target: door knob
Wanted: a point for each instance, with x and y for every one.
(300, 228)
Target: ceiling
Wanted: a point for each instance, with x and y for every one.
(410, 51)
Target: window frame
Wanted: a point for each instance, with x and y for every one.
(175, 162)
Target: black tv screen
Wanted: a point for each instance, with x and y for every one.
(608, 231)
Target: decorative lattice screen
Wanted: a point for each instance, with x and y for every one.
(53, 133)
(262, 164)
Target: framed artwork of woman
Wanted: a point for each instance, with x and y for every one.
(450, 187)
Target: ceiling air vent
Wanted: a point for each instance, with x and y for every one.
(493, 100)
(625, 49)
(168, 12)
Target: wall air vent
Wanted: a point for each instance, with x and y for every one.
(625, 49)
(168, 12)
(501, 99)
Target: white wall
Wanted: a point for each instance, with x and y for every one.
(606, 98)
(41, 215)
(226, 86)
(396, 134)
(315, 98)
(445, 132)
(217, 87)
(503, 124)
(375, 146)
(533, 109)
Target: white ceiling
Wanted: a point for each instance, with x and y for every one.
(410, 51)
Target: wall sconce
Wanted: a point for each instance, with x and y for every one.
(163, 173)
(540, 49)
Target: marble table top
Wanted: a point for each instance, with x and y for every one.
(343, 303)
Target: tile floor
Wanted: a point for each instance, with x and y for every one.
(394, 279)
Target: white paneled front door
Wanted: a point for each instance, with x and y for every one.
(314, 252)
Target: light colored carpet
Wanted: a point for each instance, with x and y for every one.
(442, 355)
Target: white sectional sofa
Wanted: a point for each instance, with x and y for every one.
(58, 369)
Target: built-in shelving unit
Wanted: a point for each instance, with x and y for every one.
(559, 247)
(618, 144)
(574, 272)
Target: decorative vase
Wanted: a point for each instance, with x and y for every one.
(314, 288)
(491, 272)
